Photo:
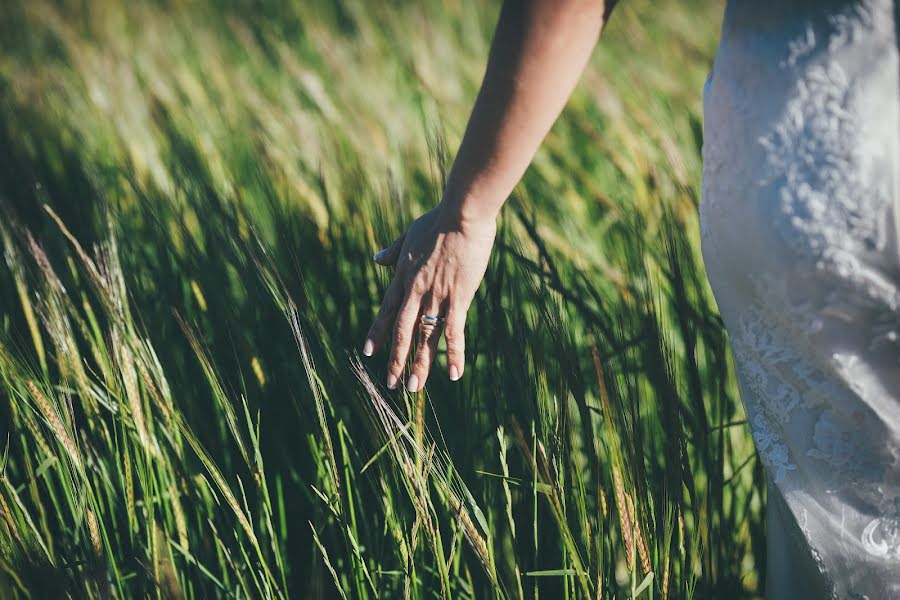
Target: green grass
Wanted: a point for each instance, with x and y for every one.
(190, 199)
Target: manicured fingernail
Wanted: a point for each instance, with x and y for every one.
(368, 347)
(392, 382)
(412, 385)
(454, 373)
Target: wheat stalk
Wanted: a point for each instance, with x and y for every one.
(56, 425)
(624, 520)
(94, 534)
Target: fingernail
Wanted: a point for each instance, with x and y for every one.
(368, 347)
(392, 382)
(412, 385)
(454, 373)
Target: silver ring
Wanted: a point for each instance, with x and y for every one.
(432, 320)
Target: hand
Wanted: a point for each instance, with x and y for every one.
(440, 263)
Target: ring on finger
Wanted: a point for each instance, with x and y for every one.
(431, 320)
(428, 323)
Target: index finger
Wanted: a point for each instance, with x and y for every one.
(381, 326)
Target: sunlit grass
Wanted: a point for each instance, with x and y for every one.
(190, 199)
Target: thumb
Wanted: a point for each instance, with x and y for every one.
(389, 255)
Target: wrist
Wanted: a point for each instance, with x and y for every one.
(467, 211)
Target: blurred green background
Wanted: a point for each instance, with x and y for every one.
(191, 193)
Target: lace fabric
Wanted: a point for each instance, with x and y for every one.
(799, 226)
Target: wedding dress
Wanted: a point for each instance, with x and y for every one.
(800, 221)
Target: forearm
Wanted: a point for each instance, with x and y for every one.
(539, 50)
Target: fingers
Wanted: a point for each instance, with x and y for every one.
(389, 255)
(428, 336)
(404, 330)
(381, 327)
(454, 334)
(401, 318)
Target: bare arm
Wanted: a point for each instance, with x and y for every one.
(539, 51)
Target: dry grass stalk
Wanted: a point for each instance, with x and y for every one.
(94, 534)
(10, 523)
(315, 386)
(642, 549)
(178, 512)
(129, 492)
(133, 394)
(40, 257)
(163, 567)
(22, 288)
(56, 425)
(665, 581)
(414, 536)
(36, 432)
(474, 538)
(99, 281)
(407, 552)
(624, 519)
(149, 384)
(392, 425)
(419, 479)
(327, 560)
(638, 536)
(220, 482)
(507, 493)
(233, 503)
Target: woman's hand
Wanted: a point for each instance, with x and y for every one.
(539, 50)
(439, 264)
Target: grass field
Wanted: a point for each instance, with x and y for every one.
(191, 196)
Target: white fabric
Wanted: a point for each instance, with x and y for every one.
(800, 222)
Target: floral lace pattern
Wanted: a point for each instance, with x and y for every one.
(799, 223)
(881, 537)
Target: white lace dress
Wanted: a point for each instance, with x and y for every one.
(800, 223)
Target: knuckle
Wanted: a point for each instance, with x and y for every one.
(455, 348)
(455, 328)
(396, 363)
(422, 362)
(456, 343)
(418, 286)
(401, 334)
